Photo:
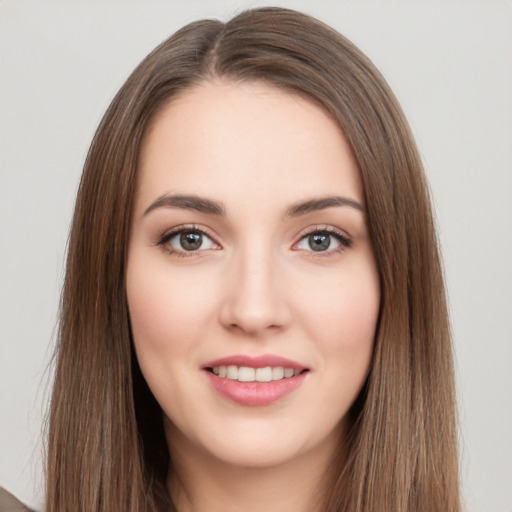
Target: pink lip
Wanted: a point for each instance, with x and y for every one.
(255, 393)
(255, 362)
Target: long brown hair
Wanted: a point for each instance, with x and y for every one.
(106, 448)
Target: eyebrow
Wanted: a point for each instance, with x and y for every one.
(210, 207)
(188, 202)
(314, 205)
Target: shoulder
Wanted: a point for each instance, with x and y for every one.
(8, 503)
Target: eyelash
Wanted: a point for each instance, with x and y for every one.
(344, 241)
(169, 235)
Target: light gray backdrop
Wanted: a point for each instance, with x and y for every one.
(450, 64)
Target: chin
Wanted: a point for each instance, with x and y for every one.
(257, 444)
(256, 455)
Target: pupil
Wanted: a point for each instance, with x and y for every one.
(319, 242)
(191, 241)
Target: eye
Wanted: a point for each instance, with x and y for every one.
(323, 241)
(184, 240)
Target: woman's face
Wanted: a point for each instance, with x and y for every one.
(251, 281)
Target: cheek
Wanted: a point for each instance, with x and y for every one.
(340, 316)
(342, 313)
(167, 311)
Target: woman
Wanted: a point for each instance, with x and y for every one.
(253, 313)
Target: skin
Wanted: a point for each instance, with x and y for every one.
(254, 287)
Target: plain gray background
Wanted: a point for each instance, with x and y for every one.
(450, 64)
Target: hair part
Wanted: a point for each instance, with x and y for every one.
(106, 446)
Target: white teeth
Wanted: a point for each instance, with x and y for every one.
(232, 372)
(247, 374)
(278, 373)
(264, 374)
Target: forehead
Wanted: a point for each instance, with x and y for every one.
(227, 139)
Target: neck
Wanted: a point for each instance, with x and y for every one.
(200, 482)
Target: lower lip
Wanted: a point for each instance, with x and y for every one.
(255, 393)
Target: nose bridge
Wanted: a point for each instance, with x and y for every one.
(254, 302)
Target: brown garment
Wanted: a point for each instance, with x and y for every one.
(8, 503)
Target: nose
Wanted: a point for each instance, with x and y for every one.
(254, 298)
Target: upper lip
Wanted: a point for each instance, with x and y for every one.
(255, 362)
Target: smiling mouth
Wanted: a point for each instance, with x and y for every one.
(255, 381)
(248, 374)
